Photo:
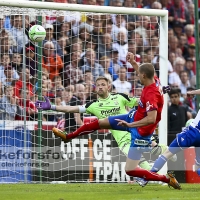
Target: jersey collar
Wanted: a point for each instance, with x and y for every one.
(100, 99)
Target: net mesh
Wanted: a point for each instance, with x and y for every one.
(78, 48)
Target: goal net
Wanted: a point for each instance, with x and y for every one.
(82, 43)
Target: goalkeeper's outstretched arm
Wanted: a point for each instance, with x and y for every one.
(66, 109)
(46, 105)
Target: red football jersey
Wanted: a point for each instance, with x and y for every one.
(151, 99)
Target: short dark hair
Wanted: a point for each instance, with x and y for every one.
(174, 91)
(147, 69)
(182, 72)
(147, 50)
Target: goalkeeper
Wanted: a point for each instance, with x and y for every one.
(107, 105)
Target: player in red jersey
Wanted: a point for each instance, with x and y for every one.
(141, 124)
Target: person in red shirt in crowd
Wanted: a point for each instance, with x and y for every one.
(176, 12)
(19, 83)
(31, 110)
(189, 31)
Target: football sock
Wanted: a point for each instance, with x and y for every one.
(147, 175)
(159, 163)
(84, 129)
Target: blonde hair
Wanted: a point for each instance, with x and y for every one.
(104, 58)
(102, 78)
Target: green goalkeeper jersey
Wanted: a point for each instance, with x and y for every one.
(114, 104)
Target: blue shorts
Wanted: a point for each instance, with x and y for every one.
(189, 137)
(135, 150)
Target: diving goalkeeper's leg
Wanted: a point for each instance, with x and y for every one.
(88, 128)
(85, 129)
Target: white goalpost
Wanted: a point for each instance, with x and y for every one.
(90, 158)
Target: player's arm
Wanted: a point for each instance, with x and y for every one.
(194, 92)
(46, 105)
(149, 119)
(131, 60)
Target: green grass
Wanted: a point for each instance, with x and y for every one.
(96, 192)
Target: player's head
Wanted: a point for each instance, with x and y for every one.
(102, 86)
(146, 72)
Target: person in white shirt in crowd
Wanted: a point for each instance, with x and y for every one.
(156, 64)
(74, 18)
(9, 105)
(4, 32)
(4, 62)
(17, 32)
(121, 45)
(185, 83)
(142, 29)
(174, 77)
(119, 25)
(8, 72)
(121, 84)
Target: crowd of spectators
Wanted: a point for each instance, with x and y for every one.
(79, 47)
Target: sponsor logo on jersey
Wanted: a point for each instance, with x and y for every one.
(114, 110)
(114, 98)
(148, 106)
(116, 103)
(140, 104)
(101, 104)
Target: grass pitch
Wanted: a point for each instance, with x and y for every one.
(94, 191)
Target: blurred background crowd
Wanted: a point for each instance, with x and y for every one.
(79, 47)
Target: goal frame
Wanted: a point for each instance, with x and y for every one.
(163, 43)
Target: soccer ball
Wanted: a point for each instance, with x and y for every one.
(189, 122)
(37, 33)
